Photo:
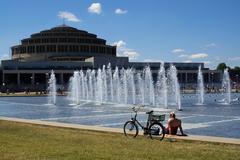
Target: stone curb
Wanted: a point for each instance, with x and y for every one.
(119, 130)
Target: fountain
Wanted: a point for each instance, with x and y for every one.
(226, 87)
(99, 86)
(148, 87)
(161, 87)
(200, 87)
(173, 87)
(116, 86)
(74, 88)
(52, 89)
(125, 86)
(110, 82)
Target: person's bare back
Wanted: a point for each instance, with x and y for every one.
(173, 125)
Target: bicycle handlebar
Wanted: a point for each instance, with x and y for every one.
(136, 110)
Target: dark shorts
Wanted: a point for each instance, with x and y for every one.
(174, 131)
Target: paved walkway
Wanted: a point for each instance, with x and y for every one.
(119, 130)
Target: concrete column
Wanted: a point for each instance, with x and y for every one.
(33, 79)
(18, 79)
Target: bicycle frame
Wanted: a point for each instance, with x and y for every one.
(154, 127)
(137, 122)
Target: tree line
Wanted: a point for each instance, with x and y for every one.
(222, 66)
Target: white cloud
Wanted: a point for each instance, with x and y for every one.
(120, 11)
(187, 61)
(131, 54)
(234, 58)
(95, 8)
(211, 45)
(198, 55)
(178, 50)
(122, 50)
(183, 56)
(152, 60)
(68, 16)
(207, 62)
(120, 43)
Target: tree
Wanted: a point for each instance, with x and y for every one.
(222, 66)
(237, 68)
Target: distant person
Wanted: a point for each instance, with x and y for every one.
(173, 125)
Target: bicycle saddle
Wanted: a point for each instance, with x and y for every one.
(149, 112)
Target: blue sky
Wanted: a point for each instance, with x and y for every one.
(154, 30)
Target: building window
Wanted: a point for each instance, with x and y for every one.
(53, 40)
(84, 48)
(71, 40)
(63, 40)
(51, 48)
(93, 49)
(37, 41)
(40, 49)
(31, 41)
(45, 40)
(62, 48)
(79, 40)
(73, 48)
(30, 49)
(101, 49)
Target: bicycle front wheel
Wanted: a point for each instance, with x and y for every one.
(156, 131)
(130, 129)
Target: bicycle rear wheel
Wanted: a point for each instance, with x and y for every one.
(156, 131)
(130, 129)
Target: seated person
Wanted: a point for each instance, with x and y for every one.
(173, 125)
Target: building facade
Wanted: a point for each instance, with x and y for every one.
(65, 49)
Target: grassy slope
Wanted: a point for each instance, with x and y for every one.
(25, 141)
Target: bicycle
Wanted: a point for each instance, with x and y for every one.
(153, 128)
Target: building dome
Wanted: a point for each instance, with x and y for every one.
(62, 43)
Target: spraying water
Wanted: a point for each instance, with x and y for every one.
(200, 87)
(116, 86)
(173, 86)
(74, 88)
(99, 89)
(226, 87)
(52, 89)
(148, 87)
(126, 86)
(161, 87)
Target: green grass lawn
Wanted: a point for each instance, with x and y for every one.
(25, 141)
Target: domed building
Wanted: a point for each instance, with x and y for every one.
(65, 49)
(62, 43)
(62, 49)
